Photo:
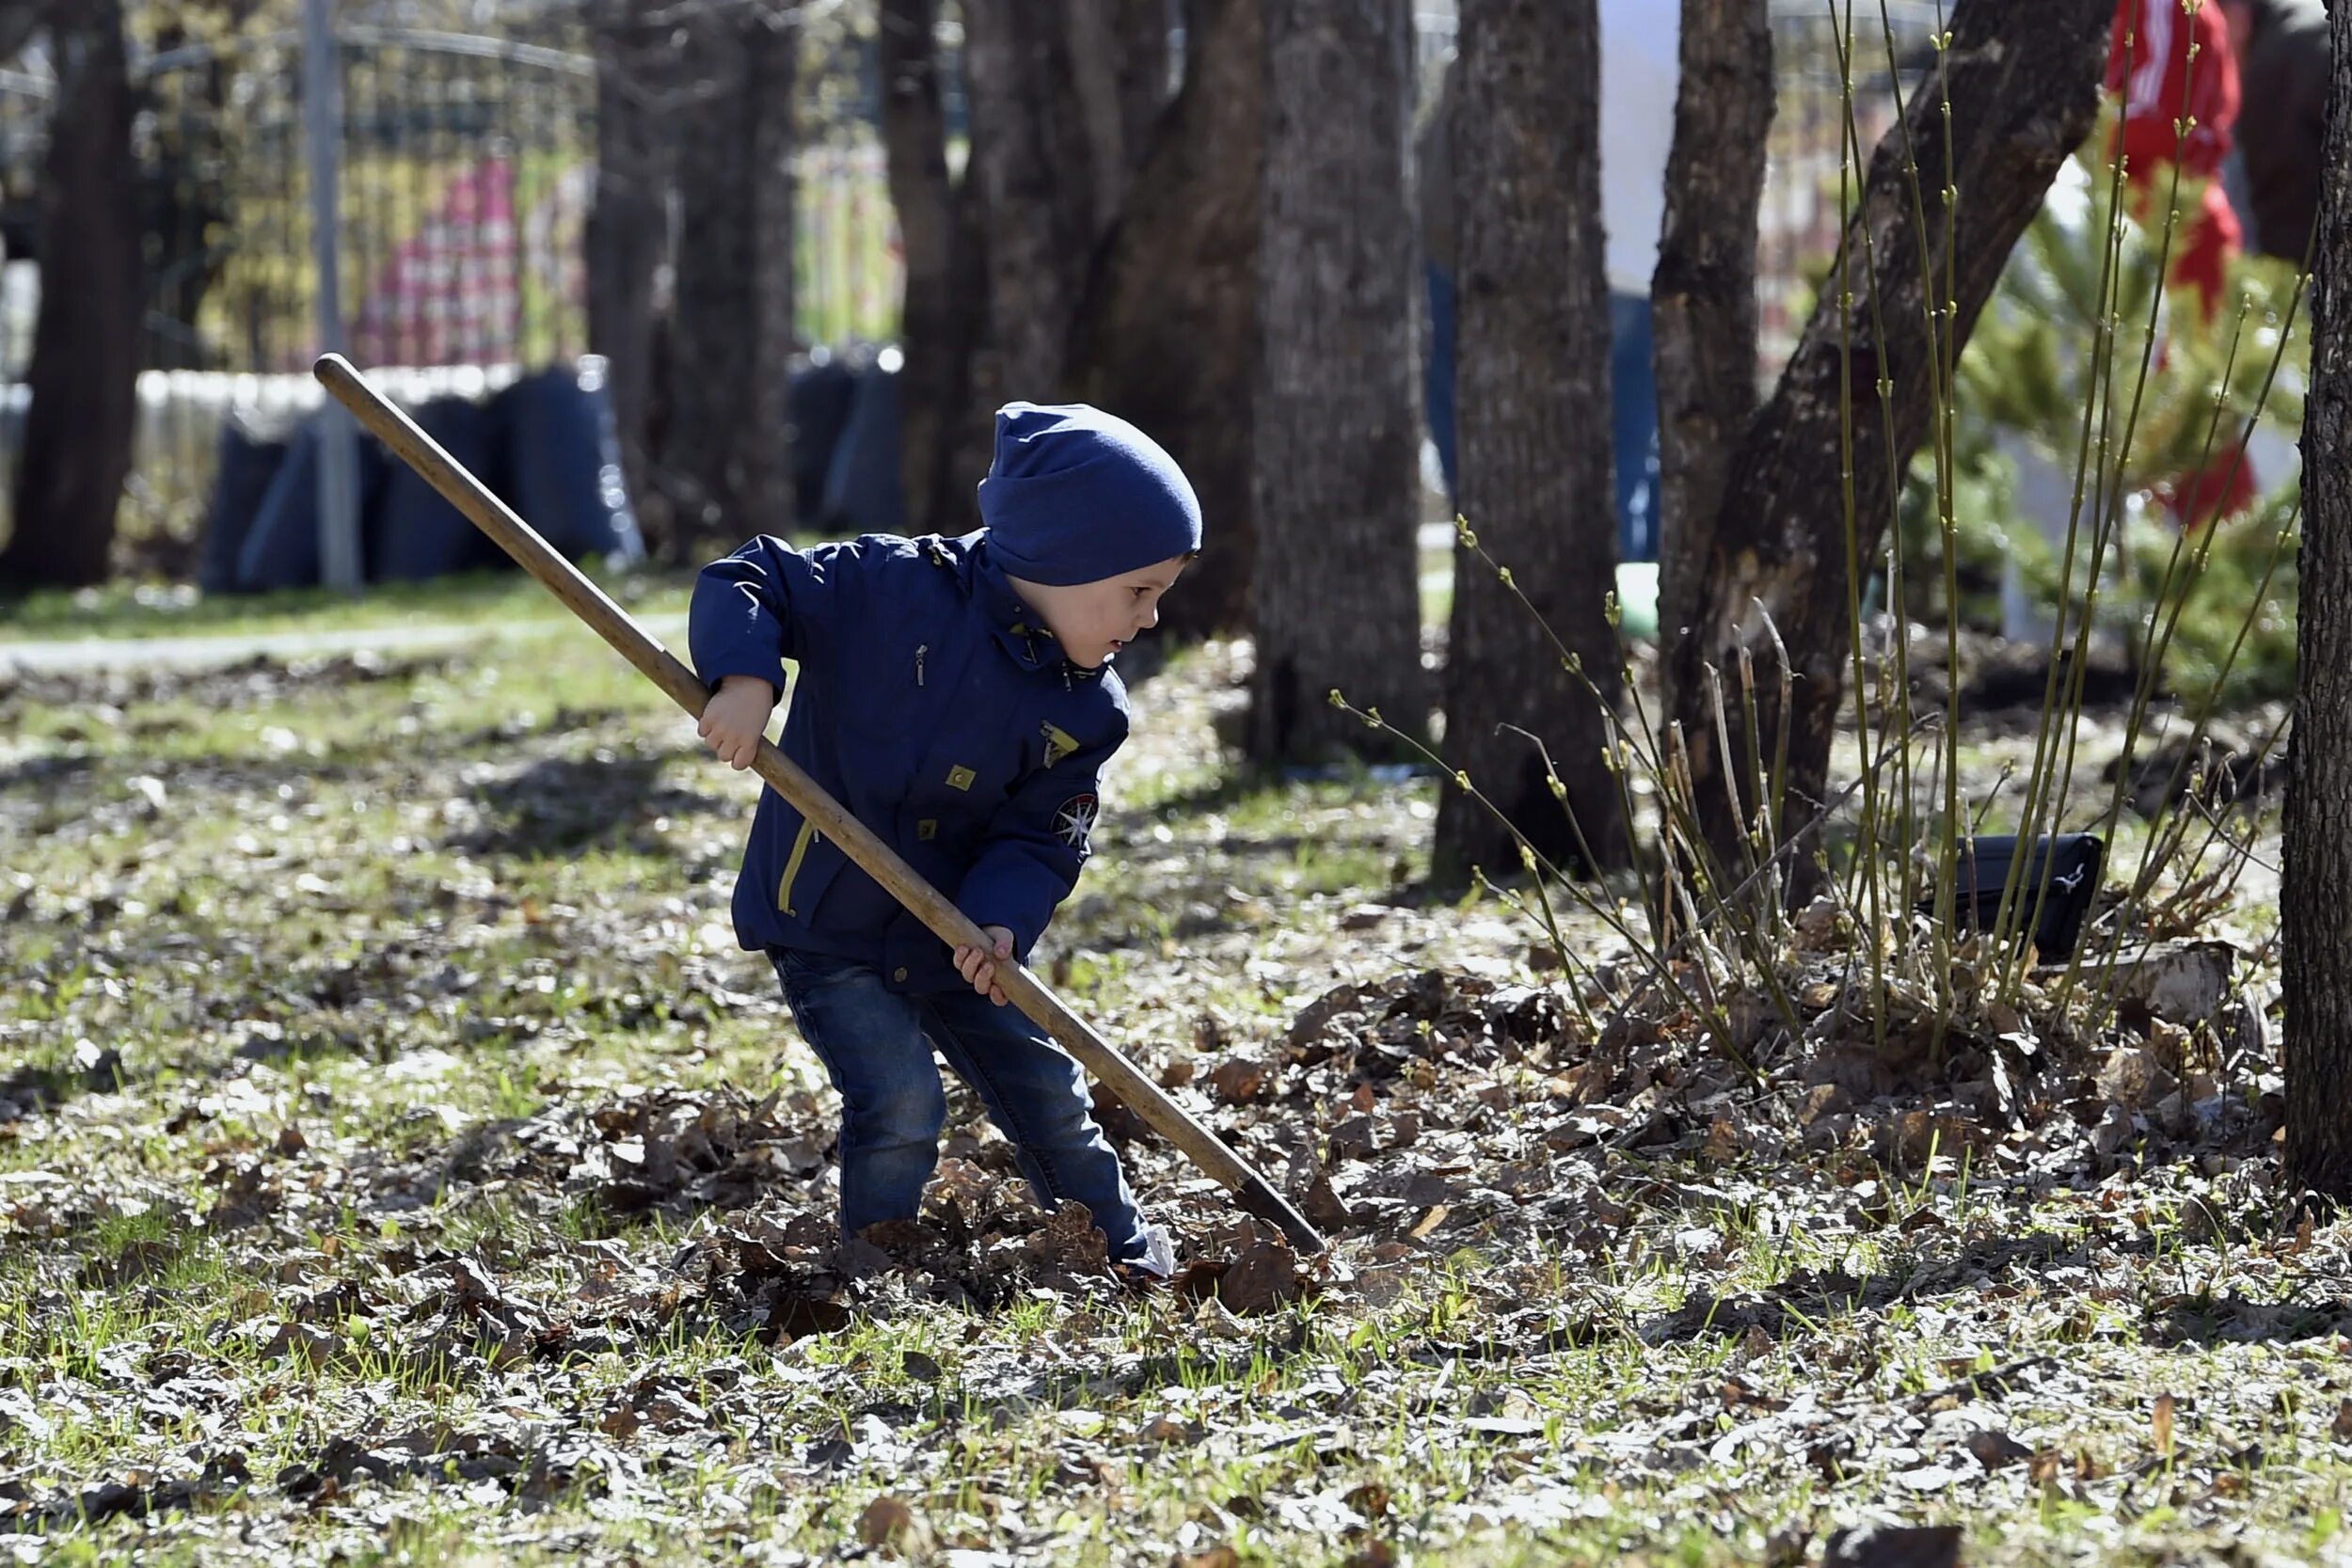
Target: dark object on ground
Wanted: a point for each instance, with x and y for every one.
(2067, 866)
(547, 444)
(241, 480)
(820, 399)
(861, 484)
(1894, 1547)
(280, 548)
(2227, 770)
(564, 464)
(1998, 673)
(416, 534)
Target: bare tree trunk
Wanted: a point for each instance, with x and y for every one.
(2022, 77)
(1703, 297)
(968, 434)
(1036, 166)
(1336, 451)
(1167, 334)
(19, 21)
(1533, 399)
(627, 233)
(914, 142)
(727, 462)
(84, 377)
(2315, 903)
(1119, 59)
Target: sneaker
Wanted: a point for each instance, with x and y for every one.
(1159, 1259)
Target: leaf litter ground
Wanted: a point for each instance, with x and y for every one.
(397, 1160)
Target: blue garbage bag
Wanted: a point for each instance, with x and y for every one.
(282, 548)
(861, 488)
(413, 534)
(240, 480)
(818, 399)
(562, 469)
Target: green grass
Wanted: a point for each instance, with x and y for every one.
(364, 935)
(491, 598)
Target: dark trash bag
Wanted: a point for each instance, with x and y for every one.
(2067, 866)
(861, 487)
(240, 480)
(563, 464)
(282, 548)
(820, 399)
(415, 534)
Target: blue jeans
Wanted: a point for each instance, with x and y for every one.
(1438, 374)
(1633, 407)
(876, 1044)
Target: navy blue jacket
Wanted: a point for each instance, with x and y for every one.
(938, 709)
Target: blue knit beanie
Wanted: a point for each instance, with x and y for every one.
(1076, 495)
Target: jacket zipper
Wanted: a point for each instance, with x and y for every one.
(919, 652)
(792, 868)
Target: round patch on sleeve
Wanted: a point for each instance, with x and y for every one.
(1074, 818)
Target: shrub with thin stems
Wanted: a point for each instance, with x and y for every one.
(1695, 935)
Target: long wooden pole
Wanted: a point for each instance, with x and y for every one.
(876, 858)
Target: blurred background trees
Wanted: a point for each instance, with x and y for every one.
(682, 273)
(1531, 400)
(76, 444)
(669, 275)
(1336, 423)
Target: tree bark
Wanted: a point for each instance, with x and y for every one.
(1167, 333)
(1036, 166)
(19, 21)
(627, 235)
(1119, 59)
(1532, 395)
(2022, 77)
(914, 144)
(968, 432)
(1703, 296)
(726, 463)
(2316, 900)
(84, 376)
(1336, 419)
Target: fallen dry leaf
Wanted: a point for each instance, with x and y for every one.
(1238, 1080)
(1260, 1278)
(888, 1521)
(1219, 1556)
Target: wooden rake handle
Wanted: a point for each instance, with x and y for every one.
(876, 858)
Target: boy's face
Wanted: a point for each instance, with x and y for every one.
(1092, 621)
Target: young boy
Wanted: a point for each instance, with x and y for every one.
(956, 695)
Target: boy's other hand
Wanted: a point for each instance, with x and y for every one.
(978, 964)
(735, 718)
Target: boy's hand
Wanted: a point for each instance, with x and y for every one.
(735, 718)
(978, 964)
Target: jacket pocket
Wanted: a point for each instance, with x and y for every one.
(792, 866)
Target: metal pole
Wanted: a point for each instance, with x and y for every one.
(339, 436)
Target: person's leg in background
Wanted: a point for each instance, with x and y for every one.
(1438, 376)
(1634, 403)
